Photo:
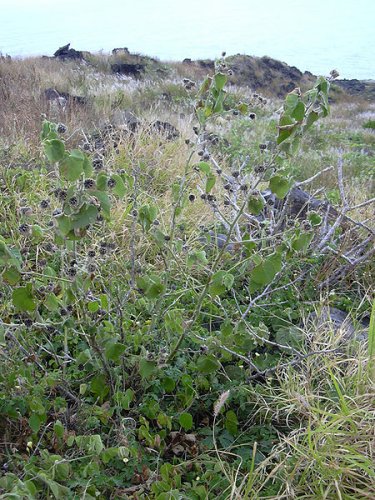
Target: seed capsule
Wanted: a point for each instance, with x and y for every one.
(44, 204)
(89, 183)
(24, 229)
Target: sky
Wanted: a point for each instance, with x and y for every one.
(315, 35)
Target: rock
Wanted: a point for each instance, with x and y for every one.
(299, 204)
(64, 98)
(166, 128)
(268, 75)
(134, 70)
(51, 94)
(213, 239)
(351, 86)
(340, 322)
(66, 52)
(125, 119)
(121, 50)
(206, 64)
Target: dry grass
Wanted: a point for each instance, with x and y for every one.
(326, 408)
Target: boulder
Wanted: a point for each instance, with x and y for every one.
(299, 203)
(121, 50)
(64, 98)
(340, 322)
(125, 119)
(133, 70)
(66, 52)
(166, 128)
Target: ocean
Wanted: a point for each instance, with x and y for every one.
(314, 35)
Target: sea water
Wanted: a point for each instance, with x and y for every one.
(314, 35)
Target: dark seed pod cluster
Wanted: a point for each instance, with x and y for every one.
(24, 229)
(44, 204)
(89, 183)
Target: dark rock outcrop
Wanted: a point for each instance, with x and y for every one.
(340, 322)
(359, 88)
(66, 52)
(64, 98)
(351, 86)
(133, 70)
(267, 75)
(166, 128)
(206, 64)
(121, 50)
(125, 120)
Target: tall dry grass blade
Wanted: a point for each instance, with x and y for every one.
(371, 343)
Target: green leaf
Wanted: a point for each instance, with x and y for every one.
(220, 79)
(99, 386)
(228, 280)
(264, 273)
(58, 491)
(90, 444)
(221, 281)
(210, 182)
(86, 216)
(23, 298)
(108, 454)
(113, 351)
(35, 422)
(286, 127)
(197, 258)
(146, 215)
(87, 167)
(231, 422)
(152, 285)
(62, 470)
(203, 167)
(315, 219)
(290, 336)
(51, 302)
(173, 320)
(302, 242)
(124, 399)
(71, 167)
(218, 108)
(105, 203)
(243, 108)
(37, 233)
(168, 384)
(205, 85)
(119, 188)
(312, 117)
(299, 112)
(207, 364)
(186, 421)
(12, 276)
(64, 224)
(9, 256)
(58, 429)
(54, 149)
(255, 204)
(280, 186)
(147, 368)
(291, 101)
(102, 181)
(49, 130)
(93, 306)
